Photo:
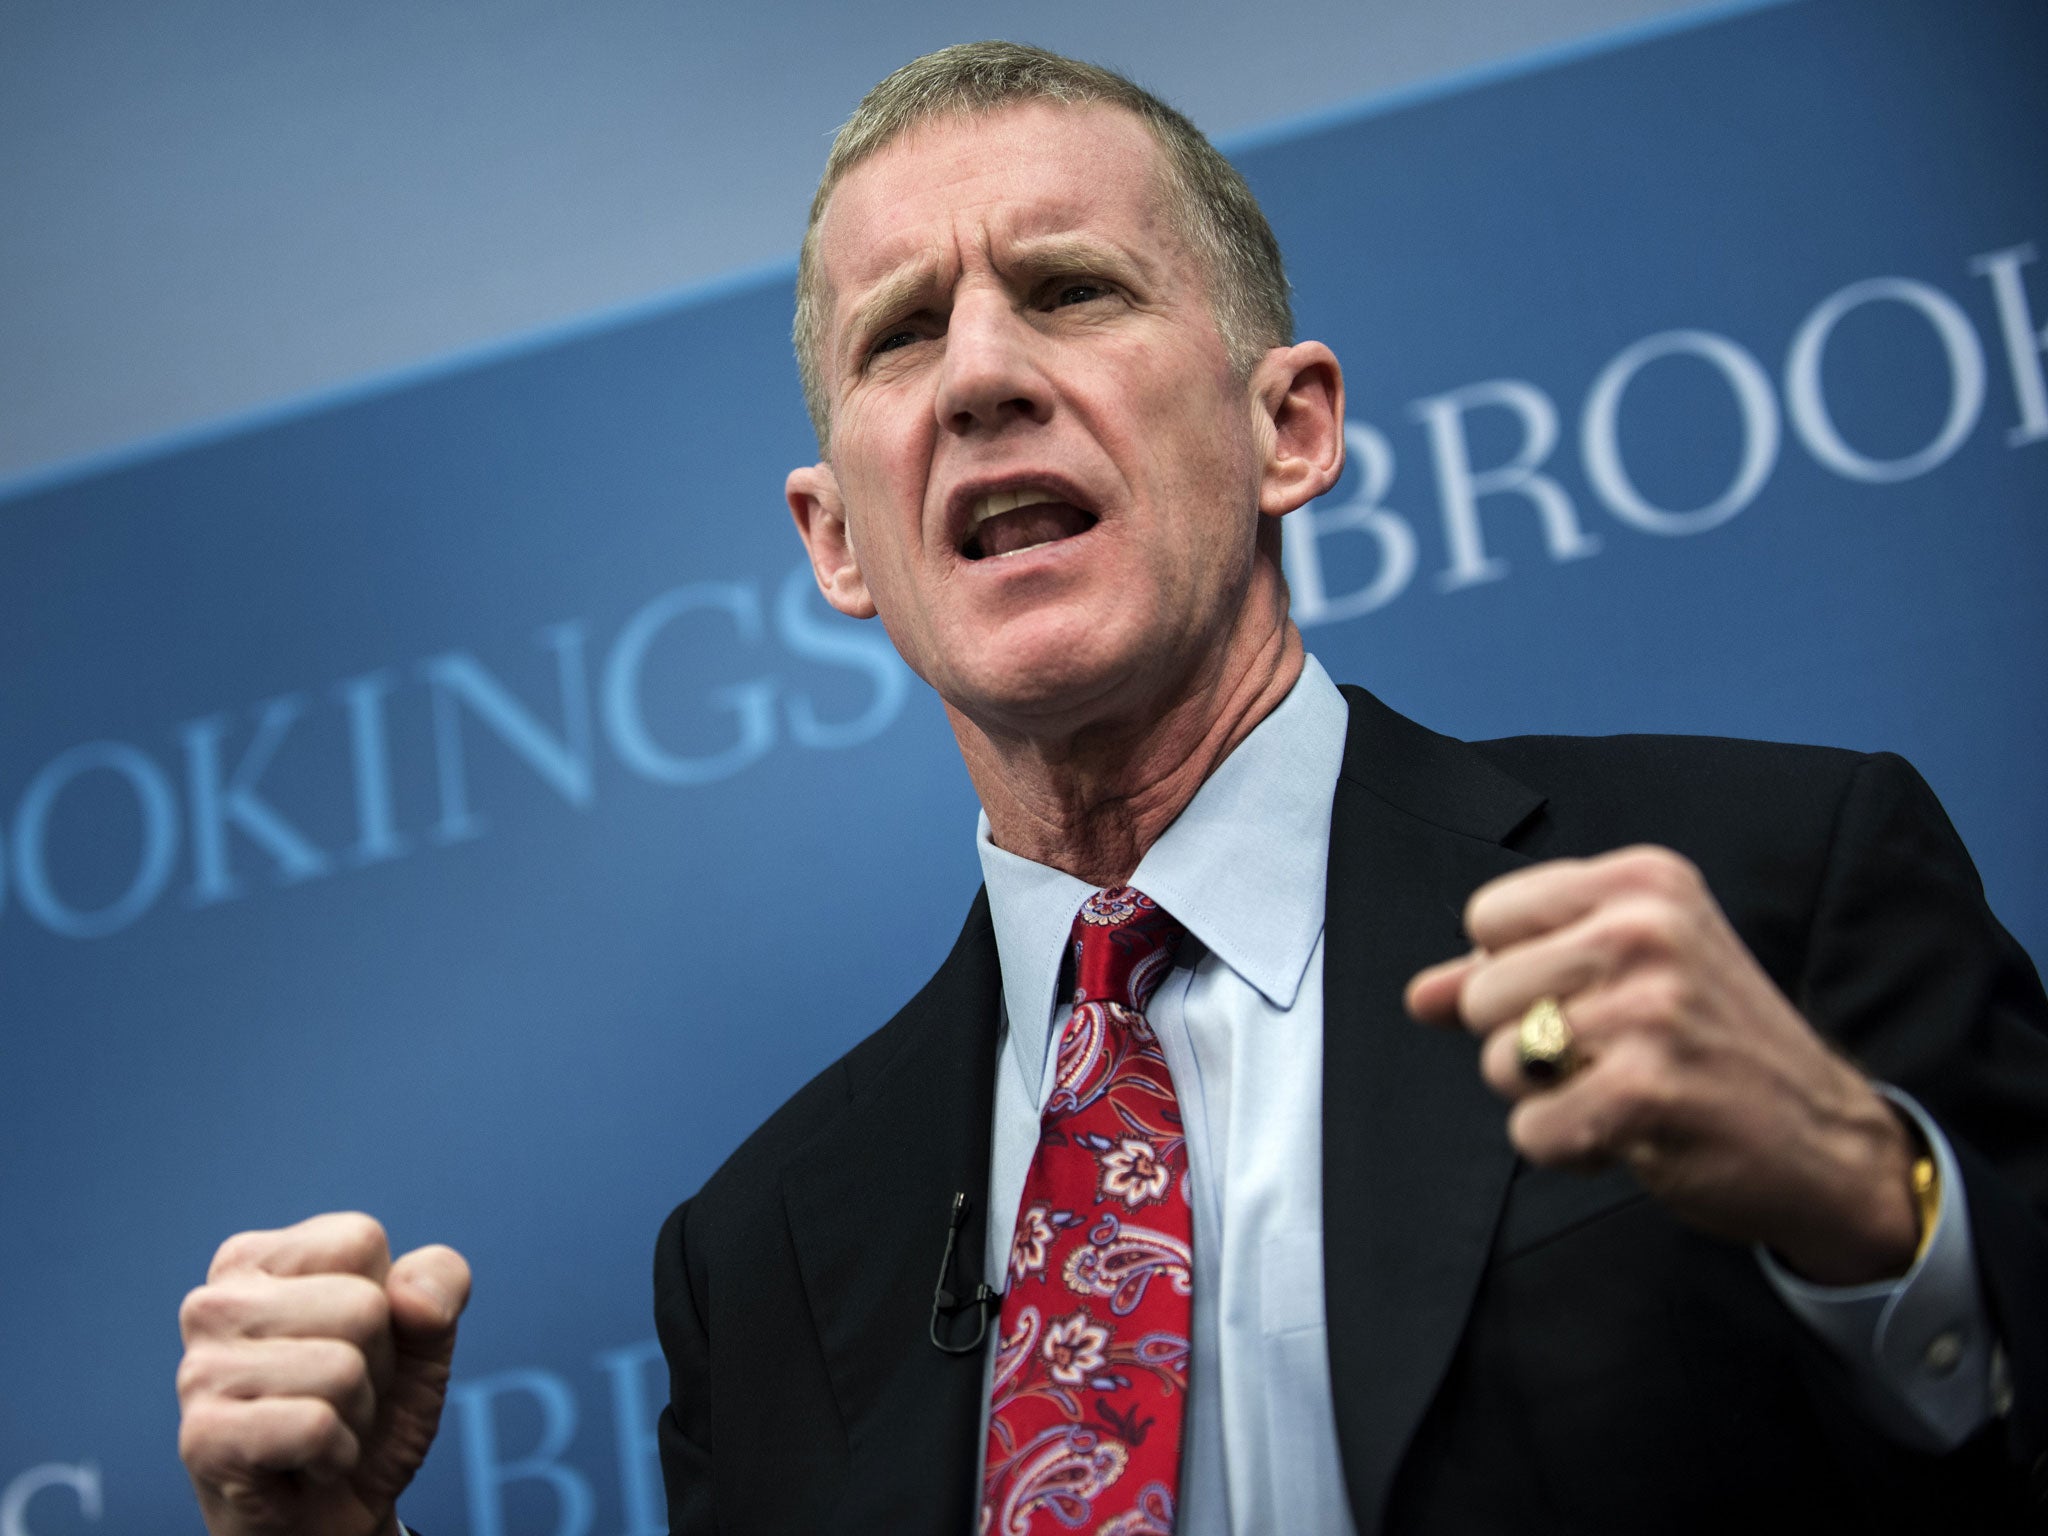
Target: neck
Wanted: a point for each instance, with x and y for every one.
(1090, 801)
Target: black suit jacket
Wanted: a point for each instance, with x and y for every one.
(1511, 1348)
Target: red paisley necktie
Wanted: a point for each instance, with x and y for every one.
(1091, 1371)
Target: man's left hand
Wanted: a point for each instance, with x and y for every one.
(1694, 1070)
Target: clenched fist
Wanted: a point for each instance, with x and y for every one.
(1698, 1073)
(314, 1372)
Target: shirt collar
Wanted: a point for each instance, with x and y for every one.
(1242, 868)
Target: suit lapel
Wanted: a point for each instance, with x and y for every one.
(1415, 1158)
(868, 1201)
(1415, 1154)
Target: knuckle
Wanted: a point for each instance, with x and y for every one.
(1476, 999)
(296, 1432)
(1650, 1002)
(362, 1239)
(1645, 925)
(1499, 1066)
(1520, 1136)
(1659, 869)
(189, 1314)
(192, 1442)
(364, 1311)
(208, 1312)
(1684, 875)
(1628, 1081)
(1639, 1089)
(1664, 924)
(1485, 908)
(1609, 935)
(199, 1372)
(301, 1426)
(1539, 1137)
(327, 1439)
(1587, 1144)
(1473, 919)
(203, 1435)
(342, 1368)
(240, 1251)
(1663, 997)
(316, 1421)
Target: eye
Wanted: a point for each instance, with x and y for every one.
(1078, 292)
(891, 341)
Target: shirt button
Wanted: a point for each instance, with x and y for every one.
(1944, 1352)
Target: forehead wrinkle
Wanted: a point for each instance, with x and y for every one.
(988, 223)
(1028, 258)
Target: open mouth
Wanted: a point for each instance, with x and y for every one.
(1010, 522)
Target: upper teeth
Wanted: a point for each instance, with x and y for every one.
(1004, 501)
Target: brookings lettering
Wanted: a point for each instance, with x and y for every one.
(1525, 476)
(756, 714)
(224, 792)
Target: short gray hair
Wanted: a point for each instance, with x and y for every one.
(1212, 207)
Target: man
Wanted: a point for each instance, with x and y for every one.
(1269, 1256)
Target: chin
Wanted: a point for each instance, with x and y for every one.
(1053, 686)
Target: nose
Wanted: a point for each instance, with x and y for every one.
(993, 374)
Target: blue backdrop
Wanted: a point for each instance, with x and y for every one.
(393, 794)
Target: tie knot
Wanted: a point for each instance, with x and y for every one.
(1123, 948)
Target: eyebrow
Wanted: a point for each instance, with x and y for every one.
(1028, 260)
(892, 295)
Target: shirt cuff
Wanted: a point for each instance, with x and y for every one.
(1919, 1347)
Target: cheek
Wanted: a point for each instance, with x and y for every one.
(1194, 416)
(877, 447)
(883, 515)
(1202, 462)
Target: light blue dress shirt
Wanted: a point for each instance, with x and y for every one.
(1240, 1021)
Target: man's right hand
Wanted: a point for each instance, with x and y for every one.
(314, 1372)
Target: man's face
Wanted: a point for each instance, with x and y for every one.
(1043, 474)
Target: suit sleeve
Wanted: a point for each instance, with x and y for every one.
(683, 1431)
(1911, 973)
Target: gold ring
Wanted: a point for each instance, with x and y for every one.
(1544, 1044)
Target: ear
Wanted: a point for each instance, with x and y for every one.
(1299, 396)
(820, 513)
